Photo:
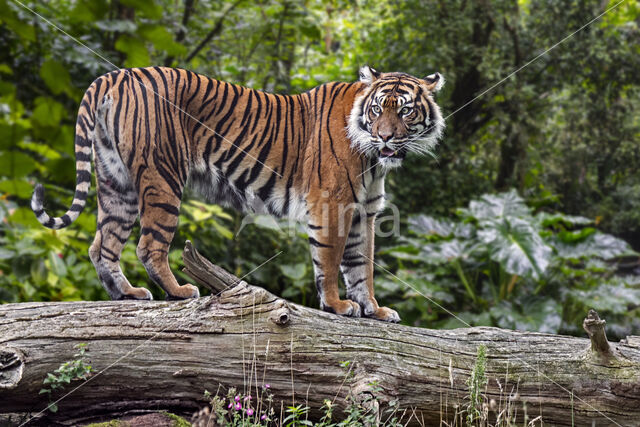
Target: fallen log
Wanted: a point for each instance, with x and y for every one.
(162, 355)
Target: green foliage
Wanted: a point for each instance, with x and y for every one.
(518, 269)
(73, 370)
(237, 409)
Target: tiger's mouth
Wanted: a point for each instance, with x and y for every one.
(388, 153)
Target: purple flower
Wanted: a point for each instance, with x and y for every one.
(230, 406)
(237, 406)
(267, 386)
(247, 398)
(249, 412)
(263, 417)
(237, 398)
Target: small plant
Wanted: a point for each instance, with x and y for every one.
(295, 416)
(72, 370)
(327, 409)
(237, 409)
(477, 382)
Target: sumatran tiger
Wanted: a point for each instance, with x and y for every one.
(319, 157)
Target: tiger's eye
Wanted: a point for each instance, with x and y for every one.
(376, 109)
(406, 110)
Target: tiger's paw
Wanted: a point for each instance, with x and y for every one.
(385, 314)
(184, 292)
(137, 294)
(344, 308)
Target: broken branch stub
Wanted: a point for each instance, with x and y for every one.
(594, 327)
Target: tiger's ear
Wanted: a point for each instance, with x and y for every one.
(434, 82)
(368, 75)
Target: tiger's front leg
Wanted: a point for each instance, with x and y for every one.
(357, 267)
(327, 237)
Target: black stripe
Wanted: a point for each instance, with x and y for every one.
(76, 207)
(167, 228)
(265, 191)
(82, 176)
(352, 245)
(173, 210)
(353, 264)
(66, 220)
(82, 157)
(154, 233)
(120, 239)
(358, 282)
(317, 244)
(373, 199)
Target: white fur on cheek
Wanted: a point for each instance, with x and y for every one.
(360, 139)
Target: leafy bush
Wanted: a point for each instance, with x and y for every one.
(500, 264)
(73, 370)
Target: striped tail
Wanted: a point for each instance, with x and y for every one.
(83, 150)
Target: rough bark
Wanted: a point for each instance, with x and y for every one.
(162, 355)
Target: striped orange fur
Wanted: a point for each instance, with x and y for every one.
(319, 157)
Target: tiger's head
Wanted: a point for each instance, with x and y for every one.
(395, 115)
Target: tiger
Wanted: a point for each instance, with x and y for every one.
(319, 157)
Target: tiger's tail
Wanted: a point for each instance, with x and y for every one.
(83, 152)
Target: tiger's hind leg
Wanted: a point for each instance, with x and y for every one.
(158, 222)
(117, 212)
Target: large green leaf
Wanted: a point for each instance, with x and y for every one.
(135, 49)
(447, 251)
(56, 76)
(162, 39)
(425, 224)
(517, 246)
(48, 112)
(294, 271)
(557, 218)
(11, 134)
(16, 164)
(613, 297)
(598, 244)
(16, 187)
(147, 7)
(539, 314)
(494, 206)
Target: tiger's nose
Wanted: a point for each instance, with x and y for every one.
(385, 136)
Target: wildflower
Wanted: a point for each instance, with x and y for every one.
(249, 412)
(237, 398)
(237, 406)
(230, 405)
(267, 386)
(263, 417)
(246, 398)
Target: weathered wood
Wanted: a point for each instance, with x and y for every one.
(162, 355)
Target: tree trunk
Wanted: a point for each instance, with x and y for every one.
(162, 355)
